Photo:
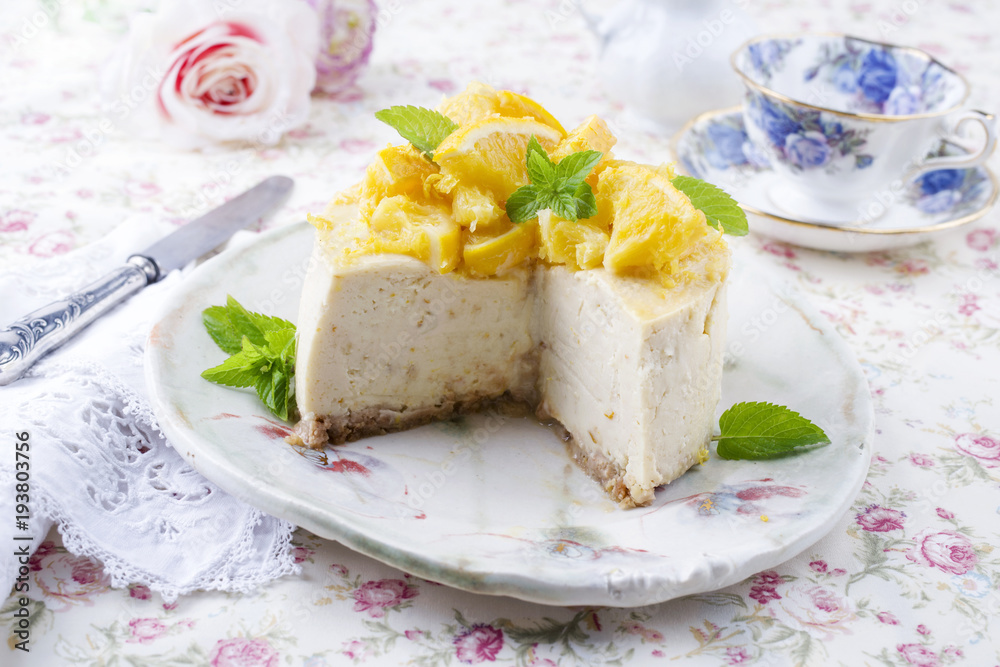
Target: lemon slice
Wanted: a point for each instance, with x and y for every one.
(490, 153)
(515, 105)
(495, 255)
(426, 231)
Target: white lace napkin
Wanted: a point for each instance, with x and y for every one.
(99, 466)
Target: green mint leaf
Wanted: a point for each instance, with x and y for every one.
(221, 329)
(424, 128)
(263, 354)
(719, 208)
(559, 187)
(540, 169)
(523, 204)
(763, 430)
(563, 204)
(574, 168)
(240, 370)
(586, 202)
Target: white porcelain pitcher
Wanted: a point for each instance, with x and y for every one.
(668, 60)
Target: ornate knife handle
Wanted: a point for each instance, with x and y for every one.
(25, 341)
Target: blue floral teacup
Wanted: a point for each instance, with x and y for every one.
(847, 122)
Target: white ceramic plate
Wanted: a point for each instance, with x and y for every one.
(714, 147)
(494, 505)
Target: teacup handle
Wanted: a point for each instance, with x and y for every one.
(978, 151)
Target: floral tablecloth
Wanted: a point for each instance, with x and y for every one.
(911, 575)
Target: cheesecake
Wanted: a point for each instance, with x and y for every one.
(423, 300)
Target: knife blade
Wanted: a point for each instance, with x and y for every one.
(29, 338)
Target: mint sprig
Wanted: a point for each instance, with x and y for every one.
(422, 127)
(560, 187)
(763, 430)
(719, 208)
(262, 350)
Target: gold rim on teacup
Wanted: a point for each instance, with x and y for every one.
(877, 118)
(874, 231)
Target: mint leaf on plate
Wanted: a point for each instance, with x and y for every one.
(422, 127)
(262, 350)
(763, 430)
(719, 208)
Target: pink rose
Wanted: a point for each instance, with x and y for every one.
(375, 596)
(478, 644)
(737, 655)
(302, 554)
(922, 629)
(816, 608)
(818, 566)
(764, 594)
(139, 591)
(945, 514)
(888, 618)
(921, 460)
(70, 580)
(145, 630)
(879, 519)
(46, 548)
(946, 550)
(915, 654)
(338, 570)
(193, 73)
(54, 243)
(16, 220)
(243, 652)
(982, 447)
(355, 650)
(980, 239)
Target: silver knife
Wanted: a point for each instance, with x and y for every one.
(26, 340)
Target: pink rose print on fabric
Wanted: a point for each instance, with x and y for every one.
(983, 448)
(815, 608)
(737, 655)
(302, 554)
(480, 643)
(66, 580)
(946, 550)
(375, 597)
(888, 618)
(763, 589)
(46, 548)
(145, 630)
(355, 650)
(139, 592)
(243, 652)
(52, 244)
(16, 220)
(877, 519)
(818, 566)
(945, 514)
(921, 460)
(980, 239)
(915, 654)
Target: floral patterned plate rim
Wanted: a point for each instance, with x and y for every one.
(714, 146)
(493, 504)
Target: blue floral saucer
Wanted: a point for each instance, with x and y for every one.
(715, 148)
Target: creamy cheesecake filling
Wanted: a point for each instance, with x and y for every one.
(629, 368)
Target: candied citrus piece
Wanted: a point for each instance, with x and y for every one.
(515, 105)
(475, 209)
(652, 222)
(579, 245)
(491, 153)
(396, 170)
(425, 231)
(494, 255)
